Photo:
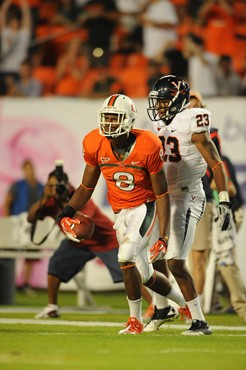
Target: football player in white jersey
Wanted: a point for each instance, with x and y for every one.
(188, 150)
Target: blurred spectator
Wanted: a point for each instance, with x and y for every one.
(226, 258)
(239, 56)
(67, 13)
(15, 38)
(81, 2)
(34, 7)
(176, 62)
(128, 12)
(155, 28)
(228, 82)
(134, 75)
(99, 18)
(155, 73)
(236, 197)
(128, 45)
(201, 66)
(244, 85)
(105, 85)
(70, 69)
(218, 19)
(27, 85)
(193, 8)
(46, 11)
(159, 21)
(20, 197)
(23, 193)
(129, 22)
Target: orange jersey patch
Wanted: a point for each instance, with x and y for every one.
(128, 181)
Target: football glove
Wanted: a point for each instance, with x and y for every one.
(224, 215)
(67, 224)
(158, 250)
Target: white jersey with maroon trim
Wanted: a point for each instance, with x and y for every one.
(184, 165)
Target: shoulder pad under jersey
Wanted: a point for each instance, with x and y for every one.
(150, 141)
(196, 120)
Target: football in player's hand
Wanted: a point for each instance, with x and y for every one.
(86, 228)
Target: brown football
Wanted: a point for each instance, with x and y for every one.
(86, 228)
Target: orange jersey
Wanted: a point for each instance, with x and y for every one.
(128, 181)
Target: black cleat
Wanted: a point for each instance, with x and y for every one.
(160, 316)
(198, 328)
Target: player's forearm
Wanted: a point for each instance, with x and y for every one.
(210, 153)
(83, 192)
(80, 198)
(220, 178)
(163, 212)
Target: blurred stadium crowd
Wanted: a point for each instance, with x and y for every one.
(93, 48)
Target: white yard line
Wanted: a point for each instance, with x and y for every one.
(101, 324)
(67, 310)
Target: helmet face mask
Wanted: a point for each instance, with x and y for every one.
(117, 116)
(160, 108)
(169, 96)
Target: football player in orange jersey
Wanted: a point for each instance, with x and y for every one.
(131, 162)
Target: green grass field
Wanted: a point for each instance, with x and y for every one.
(88, 339)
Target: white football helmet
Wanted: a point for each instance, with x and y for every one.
(125, 112)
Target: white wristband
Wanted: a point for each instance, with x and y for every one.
(223, 196)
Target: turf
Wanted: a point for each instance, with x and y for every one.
(46, 347)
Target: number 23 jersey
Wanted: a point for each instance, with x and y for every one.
(128, 181)
(184, 165)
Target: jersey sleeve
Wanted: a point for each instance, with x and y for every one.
(89, 153)
(200, 121)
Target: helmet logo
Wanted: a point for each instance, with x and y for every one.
(176, 84)
(133, 108)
